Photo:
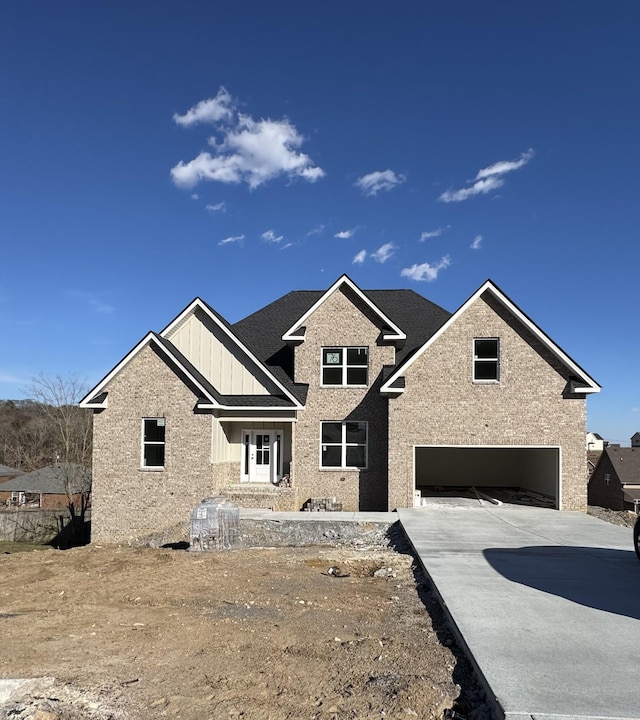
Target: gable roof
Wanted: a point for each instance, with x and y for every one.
(97, 397)
(626, 463)
(392, 332)
(581, 382)
(6, 471)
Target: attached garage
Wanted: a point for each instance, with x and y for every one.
(453, 469)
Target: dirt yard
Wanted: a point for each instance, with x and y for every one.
(123, 633)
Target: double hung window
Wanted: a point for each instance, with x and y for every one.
(343, 445)
(486, 360)
(345, 366)
(153, 442)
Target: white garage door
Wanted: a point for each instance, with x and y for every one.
(530, 468)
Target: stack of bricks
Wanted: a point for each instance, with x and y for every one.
(322, 505)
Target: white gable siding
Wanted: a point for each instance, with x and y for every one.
(210, 352)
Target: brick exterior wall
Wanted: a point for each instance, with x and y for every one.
(442, 406)
(341, 321)
(128, 502)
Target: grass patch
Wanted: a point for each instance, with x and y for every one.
(7, 546)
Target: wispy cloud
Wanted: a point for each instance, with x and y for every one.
(360, 257)
(232, 239)
(270, 236)
(286, 245)
(318, 230)
(374, 182)
(384, 252)
(245, 150)
(195, 196)
(217, 207)
(426, 271)
(428, 234)
(345, 234)
(11, 379)
(477, 241)
(213, 110)
(93, 301)
(488, 179)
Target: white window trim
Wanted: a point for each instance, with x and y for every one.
(344, 366)
(344, 445)
(486, 381)
(143, 443)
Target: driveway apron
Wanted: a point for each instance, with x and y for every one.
(546, 604)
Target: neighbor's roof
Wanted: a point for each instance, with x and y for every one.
(626, 463)
(6, 471)
(51, 480)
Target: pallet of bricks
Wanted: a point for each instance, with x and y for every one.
(322, 505)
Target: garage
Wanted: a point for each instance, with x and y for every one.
(520, 474)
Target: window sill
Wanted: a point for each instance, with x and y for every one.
(486, 382)
(342, 469)
(152, 469)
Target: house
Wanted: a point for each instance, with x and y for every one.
(595, 442)
(615, 482)
(8, 473)
(635, 440)
(341, 399)
(49, 488)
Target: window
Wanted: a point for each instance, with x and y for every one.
(343, 445)
(153, 442)
(607, 478)
(486, 360)
(345, 366)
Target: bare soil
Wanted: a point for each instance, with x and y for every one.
(125, 633)
(626, 518)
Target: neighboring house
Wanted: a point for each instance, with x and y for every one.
(635, 440)
(595, 442)
(8, 473)
(615, 482)
(341, 398)
(49, 488)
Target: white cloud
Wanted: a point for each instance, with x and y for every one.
(93, 301)
(195, 196)
(428, 234)
(374, 182)
(345, 234)
(270, 236)
(218, 207)
(318, 230)
(477, 241)
(360, 257)
(10, 379)
(287, 245)
(384, 252)
(247, 150)
(213, 110)
(487, 179)
(232, 239)
(426, 271)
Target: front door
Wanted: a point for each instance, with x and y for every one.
(261, 455)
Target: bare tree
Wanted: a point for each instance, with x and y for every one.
(70, 430)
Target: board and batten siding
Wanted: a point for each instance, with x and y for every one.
(205, 346)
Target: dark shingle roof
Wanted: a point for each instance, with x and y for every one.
(6, 471)
(262, 331)
(626, 463)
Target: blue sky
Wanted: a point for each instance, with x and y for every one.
(151, 152)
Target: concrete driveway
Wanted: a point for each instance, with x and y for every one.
(546, 603)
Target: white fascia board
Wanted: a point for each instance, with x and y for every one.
(397, 334)
(590, 385)
(198, 303)
(85, 403)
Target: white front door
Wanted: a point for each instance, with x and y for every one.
(261, 455)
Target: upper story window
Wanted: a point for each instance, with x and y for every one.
(153, 442)
(345, 366)
(486, 360)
